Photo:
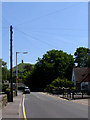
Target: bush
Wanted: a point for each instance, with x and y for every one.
(8, 90)
(4, 88)
(62, 83)
(59, 83)
(8, 94)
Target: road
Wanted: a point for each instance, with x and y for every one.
(39, 105)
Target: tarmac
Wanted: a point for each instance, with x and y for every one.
(79, 101)
(14, 109)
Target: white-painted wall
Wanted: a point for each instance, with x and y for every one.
(73, 78)
(84, 84)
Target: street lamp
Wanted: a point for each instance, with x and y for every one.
(17, 70)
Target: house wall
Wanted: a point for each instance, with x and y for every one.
(84, 85)
(89, 88)
(73, 78)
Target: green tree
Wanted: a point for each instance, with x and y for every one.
(60, 62)
(28, 67)
(5, 74)
(4, 70)
(52, 65)
(22, 68)
(81, 56)
(62, 83)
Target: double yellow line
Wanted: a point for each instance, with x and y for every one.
(24, 114)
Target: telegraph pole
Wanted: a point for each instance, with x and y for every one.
(16, 75)
(11, 80)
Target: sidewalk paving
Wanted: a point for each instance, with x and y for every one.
(13, 109)
(80, 101)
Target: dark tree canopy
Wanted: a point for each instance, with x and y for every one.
(81, 56)
(53, 64)
(4, 69)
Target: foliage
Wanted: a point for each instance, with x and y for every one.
(73, 88)
(81, 56)
(22, 68)
(62, 83)
(3, 69)
(5, 74)
(25, 77)
(53, 64)
(59, 84)
(7, 90)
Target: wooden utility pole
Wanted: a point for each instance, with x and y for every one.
(11, 80)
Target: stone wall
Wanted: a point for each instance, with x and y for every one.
(3, 100)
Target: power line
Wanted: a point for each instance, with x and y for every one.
(70, 29)
(49, 33)
(51, 13)
(35, 45)
(50, 28)
(35, 38)
(42, 40)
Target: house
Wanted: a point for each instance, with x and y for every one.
(85, 82)
(81, 78)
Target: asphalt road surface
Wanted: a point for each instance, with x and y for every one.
(39, 105)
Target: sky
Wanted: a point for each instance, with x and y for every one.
(42, 26)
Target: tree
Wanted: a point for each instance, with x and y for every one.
(62, 83)
(22, 68)
(60, 62)
(81, 56)
(28, 67)
(4, 70)
(5, 74)
(52, 65)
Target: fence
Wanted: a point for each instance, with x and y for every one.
(76, 94)
(71, 94)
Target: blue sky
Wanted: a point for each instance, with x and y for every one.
(42, 26)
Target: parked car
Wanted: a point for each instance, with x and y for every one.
(26, 91)
(26, 87)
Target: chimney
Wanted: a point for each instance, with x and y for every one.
(22, 61)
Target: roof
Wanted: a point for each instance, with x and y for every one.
(80, 73)
(86, 76)
(21, 84)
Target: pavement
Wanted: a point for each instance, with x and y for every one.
(80, 101)
(13, 109)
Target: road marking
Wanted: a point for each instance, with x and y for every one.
(53, 96)
(64, 99)
(24, 114)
